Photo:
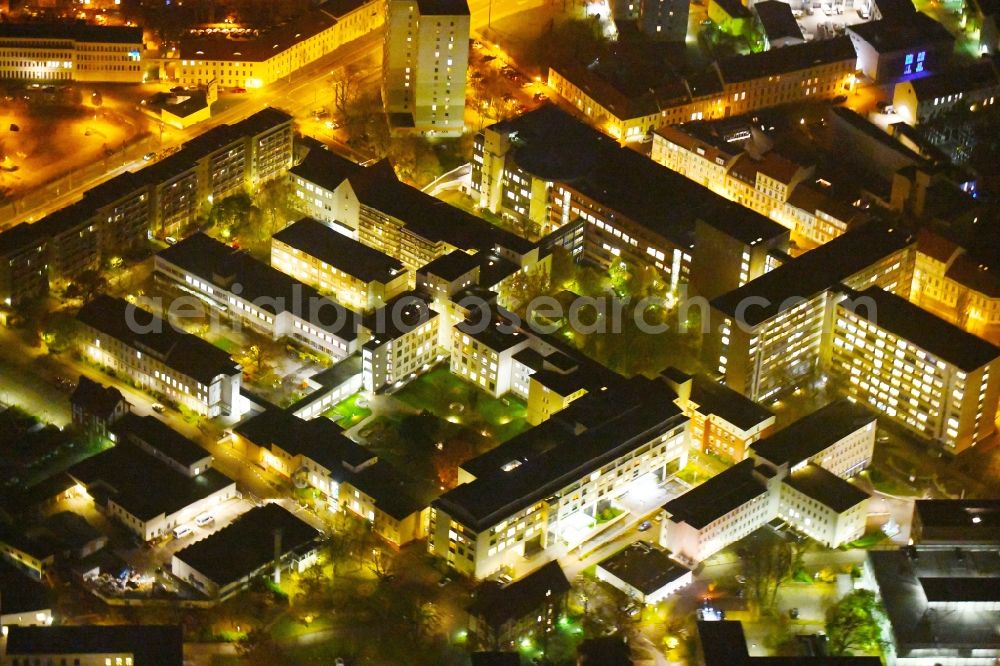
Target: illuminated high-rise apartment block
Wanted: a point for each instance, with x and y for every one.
(425, 58)
(924, 373)
(770, 334)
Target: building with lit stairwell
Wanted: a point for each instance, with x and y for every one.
(544, 488)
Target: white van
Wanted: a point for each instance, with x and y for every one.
(182, 531)
(204, 519)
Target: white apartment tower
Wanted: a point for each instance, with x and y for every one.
(425, 58)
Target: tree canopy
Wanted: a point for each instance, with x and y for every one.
(854, 625)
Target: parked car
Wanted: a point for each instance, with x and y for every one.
(157, 407)
(239, 90)
(148, 156)
(182, 531)
(645, 525)
(204, 520)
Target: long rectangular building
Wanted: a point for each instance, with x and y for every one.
(546, 170)
(354, 274)
(817, 70)
(372, 205)
(163, 199)
(253, 59)
(161, 359)
(773, 331)
(146, 494)
(924, 373)
(252, 293)
(555, 478)
(70, 51)
(797, 474)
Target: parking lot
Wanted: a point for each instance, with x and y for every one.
(825, 19)
(147, 571)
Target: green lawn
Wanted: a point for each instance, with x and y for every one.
(289, 625)
(868, 540)
(348, 413)
(450, 398)
(225, 344)
(884, 484)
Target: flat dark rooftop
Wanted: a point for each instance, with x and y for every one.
(743, 224)
(161, 437)
(826, 488)
(777, 19)
(498, 605)
(319, 439)
(715, 398)
(718, 496)
(934, 335)
(398, 317)
(443, 7)
(428, 217)
(266, 287)
(388, 487)
(325, 168)
(813, 433)
(496, 336)
(144, 485)
(960, 590)
(518, 450)
(75, 30)
(493, 496)
(493, 268)
(451, 266)
(902, 31)
(551, 144)
(788, 59)
(247, 544)
(150, 645)
(971, 515)
(815, 271)
(342, 252)
(899, 573)
(644, 567)
(185, 353)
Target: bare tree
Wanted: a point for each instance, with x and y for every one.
(766, 566)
